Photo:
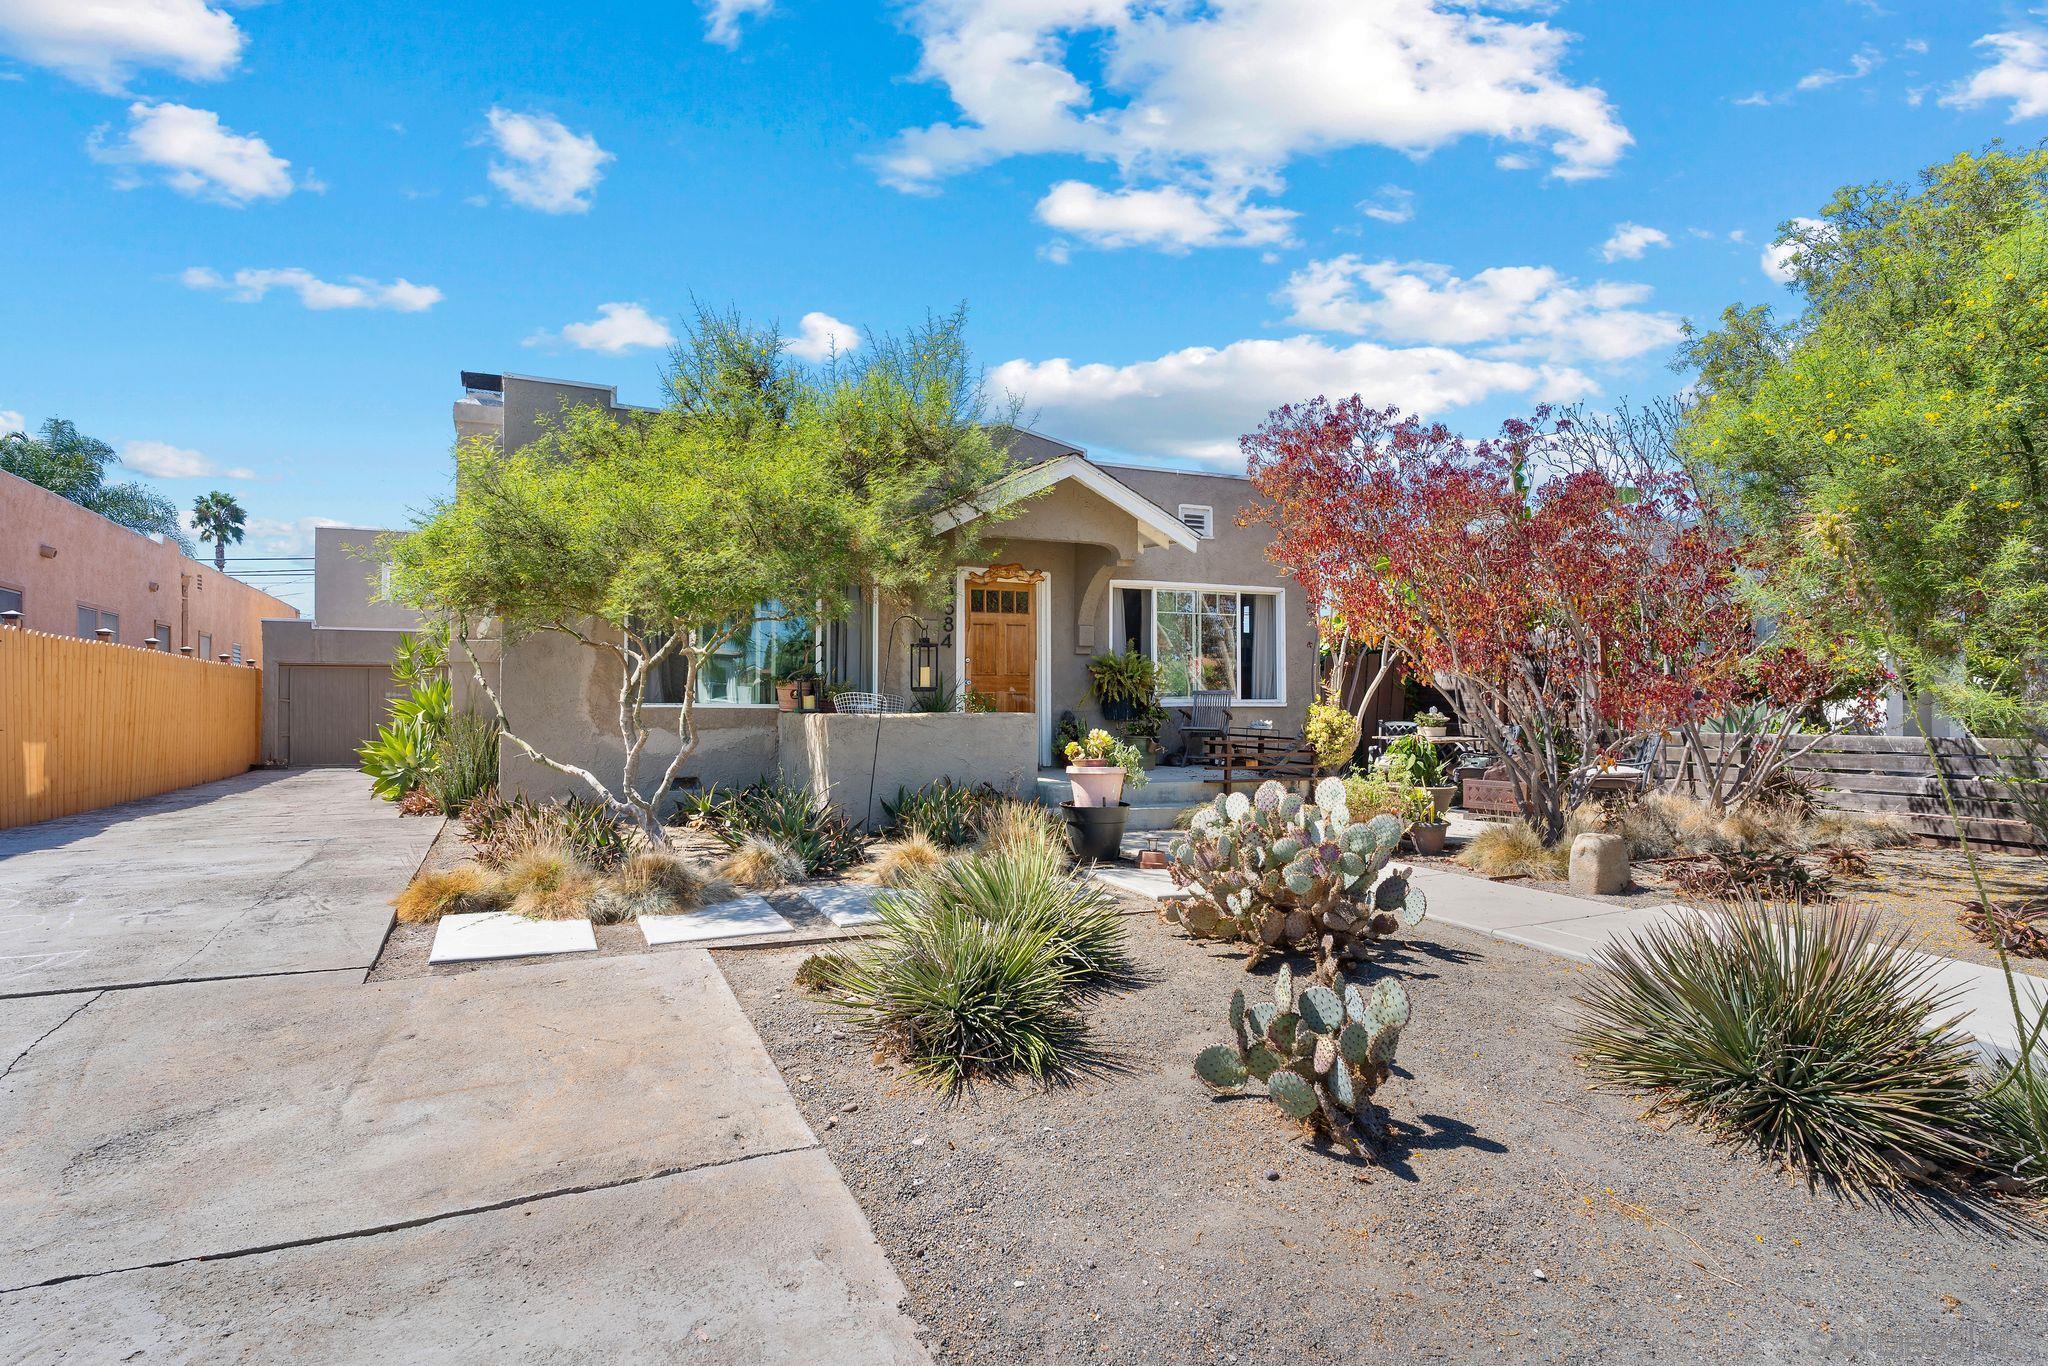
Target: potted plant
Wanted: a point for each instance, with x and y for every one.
(1098, 766)
(1426, 825)
(798, 689)
(1143, 729)
(1414, 761)
(1433, 724)
(1124, 684)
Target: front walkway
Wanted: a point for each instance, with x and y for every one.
(591, 1159)
(1578, 927)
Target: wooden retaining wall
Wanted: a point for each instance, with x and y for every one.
(86, 724)
(1894, 773)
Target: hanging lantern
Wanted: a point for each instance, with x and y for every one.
(924, 666)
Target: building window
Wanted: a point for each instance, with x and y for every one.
(745, 669)
(10, 599)
(91, 621)
(1199, 518)
(1206, 640)
(205, 650)
(163, 636)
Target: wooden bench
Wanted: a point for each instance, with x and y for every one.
(1243, 755)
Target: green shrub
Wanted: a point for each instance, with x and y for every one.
(1369, 797)
(400, 757)
(2012, 1109)
(977, 964)
(1807, 1033)
(943, 811)
(466, 764)
(1412, 761)
(501, 830)
(815, 831)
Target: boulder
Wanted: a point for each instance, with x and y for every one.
(1599, 864)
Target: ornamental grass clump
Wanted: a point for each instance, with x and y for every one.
(763, 864)
(1277, 873)
(900, 860)
(548, 884)
(460, 890)
(977, 966)
(1013, 824)
(651, 883)
(1807, 1033)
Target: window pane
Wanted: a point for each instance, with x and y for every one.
(88, 622)
(744, 669)
(10, 600)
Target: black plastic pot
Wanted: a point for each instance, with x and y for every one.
(1095, 832)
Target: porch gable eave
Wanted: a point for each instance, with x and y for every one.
(1156, 526)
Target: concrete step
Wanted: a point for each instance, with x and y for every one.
(1165, 788)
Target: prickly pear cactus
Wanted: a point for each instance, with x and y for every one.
(1320, 1055)
(1279, 873)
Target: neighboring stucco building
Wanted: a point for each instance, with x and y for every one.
(327, 682)
(71, 572)
(1100, 558)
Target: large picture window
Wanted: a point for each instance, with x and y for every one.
(744, 669)
(1206, 639)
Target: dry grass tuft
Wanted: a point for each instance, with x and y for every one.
(548, 884)
(899, 861)
(651, 883)
(1013, 825)
(1859, 829)
(819, 970)
(451, 891)
(763, 864)
(1512, 850)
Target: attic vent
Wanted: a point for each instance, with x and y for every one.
(1198, 518)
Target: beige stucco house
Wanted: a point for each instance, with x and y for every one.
(1098, 557)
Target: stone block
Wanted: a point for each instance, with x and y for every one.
(1599, 864)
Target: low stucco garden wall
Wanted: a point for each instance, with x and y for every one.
(859, 762)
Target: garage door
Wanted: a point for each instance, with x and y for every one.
(329, 709)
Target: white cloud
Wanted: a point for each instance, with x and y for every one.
(165, 461)
(11, 421)
(617, 329)
(1861, 64)
(1512, 311)
(248, 286)
(820, 335)
(1197, 402)
(543, 165)
(2019, 75)
(1514, 161)
(1391, 205)
(1780, 260)
(1172, 219)
(1630, 241)
(1221, 97)
(722, 18)
(102, 42)
(195, 154)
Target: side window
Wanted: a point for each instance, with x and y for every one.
(91, 621)
(163, 636)
(10, 599)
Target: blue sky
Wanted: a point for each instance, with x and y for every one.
(252, 244)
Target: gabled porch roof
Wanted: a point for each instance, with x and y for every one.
(1155, 526)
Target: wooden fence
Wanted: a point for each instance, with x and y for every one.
(85, 724)
(1894, 773)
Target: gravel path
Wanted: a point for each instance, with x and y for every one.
(1129, 1217)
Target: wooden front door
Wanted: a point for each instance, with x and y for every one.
(1002, 639)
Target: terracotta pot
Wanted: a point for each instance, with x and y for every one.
(1428, 839)
(1096, 784)
(1443, 797)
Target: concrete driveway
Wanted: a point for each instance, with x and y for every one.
(584, 1159)
(257, 875)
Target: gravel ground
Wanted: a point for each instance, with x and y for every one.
(1130, 1217)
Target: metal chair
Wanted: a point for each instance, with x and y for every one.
(867, 704)
(1206, 716)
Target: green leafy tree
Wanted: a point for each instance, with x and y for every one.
(1892, 438)
(74, 466)
(655, 539)
(220, 519)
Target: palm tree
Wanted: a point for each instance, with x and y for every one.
(218, 518)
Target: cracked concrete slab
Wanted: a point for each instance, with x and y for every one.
(212, 1118)
(263, 873)
(763, 1260)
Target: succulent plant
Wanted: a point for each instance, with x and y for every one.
(1279, 873)
(1321, 1055)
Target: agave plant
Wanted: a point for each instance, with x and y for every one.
(1804, 1031)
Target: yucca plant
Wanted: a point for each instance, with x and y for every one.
(466, 764)
(1027, 884)
(2009, 1108)
(1804, 1031)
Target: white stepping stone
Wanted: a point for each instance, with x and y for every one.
(847, 905)
(726, 920)
(500, 934)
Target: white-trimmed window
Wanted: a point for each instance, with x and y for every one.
(743, 671)
(1206, 639)
(1199, 518)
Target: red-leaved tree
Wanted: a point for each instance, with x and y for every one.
(1567, 615)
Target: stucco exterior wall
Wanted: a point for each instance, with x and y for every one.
(347, 579)
(297, 641)
(57, 555)
(860, 762)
